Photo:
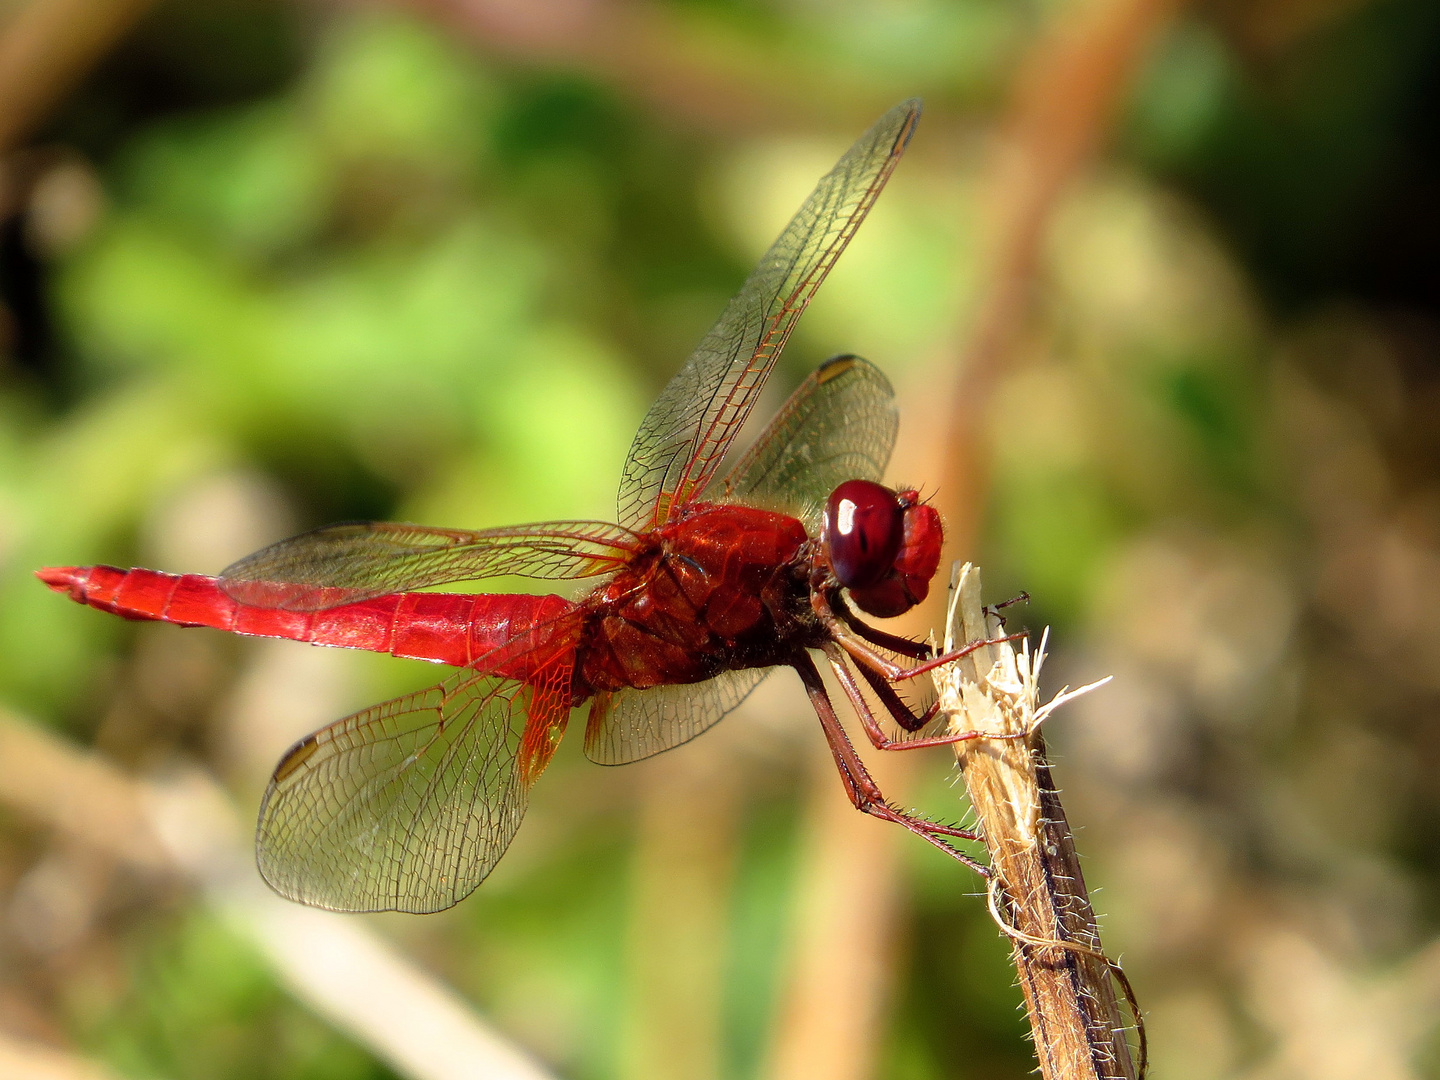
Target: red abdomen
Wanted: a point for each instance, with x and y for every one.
(445, 628)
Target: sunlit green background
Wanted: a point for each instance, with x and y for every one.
(280, 264)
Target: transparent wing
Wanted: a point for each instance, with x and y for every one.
(628, 725)
(839, 425)
(343, 564)
(685, 434)
(408, 805)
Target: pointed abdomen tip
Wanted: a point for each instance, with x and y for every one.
(63, 579)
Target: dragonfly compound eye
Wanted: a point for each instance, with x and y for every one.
(864, 526)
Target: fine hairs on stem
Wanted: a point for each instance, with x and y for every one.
(1036, 891)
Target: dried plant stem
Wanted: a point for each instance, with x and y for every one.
(48, 47)
(1037, 892)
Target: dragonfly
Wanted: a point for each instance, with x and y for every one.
(709, 579)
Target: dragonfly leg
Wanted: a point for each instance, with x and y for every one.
(956, 654)
(916, 650)
(995, 609)
(897, 709)
(861, 788)
(866, 656)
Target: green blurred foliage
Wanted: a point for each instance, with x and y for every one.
(318, 280)
(396, 277)
(202, 1006)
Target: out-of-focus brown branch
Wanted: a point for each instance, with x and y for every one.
(1060, 109)
(832, 1014)
(47, 48)
(49, 781)
(337, 966)
(1037, 891)
(1067, 92)
(682, 71)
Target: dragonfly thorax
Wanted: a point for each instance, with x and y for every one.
(723, 587)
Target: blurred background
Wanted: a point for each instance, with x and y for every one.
(1157, 285)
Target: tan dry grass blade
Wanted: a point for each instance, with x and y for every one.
(1037, 893)
(23, 1060)
(334, 964)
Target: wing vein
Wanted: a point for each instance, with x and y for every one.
(690, 427)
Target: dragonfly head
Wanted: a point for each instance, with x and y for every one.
(883, 545)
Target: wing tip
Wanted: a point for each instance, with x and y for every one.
(837, 366)
(913, 108)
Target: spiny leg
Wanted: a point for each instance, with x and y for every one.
(903, 646)
(853, 644)
(897, 708)
(995, 609)
(895, 705)
(861, 788)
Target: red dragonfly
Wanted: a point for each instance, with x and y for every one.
(710, 579)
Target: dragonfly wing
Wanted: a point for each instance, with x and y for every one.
(685, 434)
(408, 805)
(344, 564)
(839, 425)
(628, 725)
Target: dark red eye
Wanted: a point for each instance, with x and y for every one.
(864, 524)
